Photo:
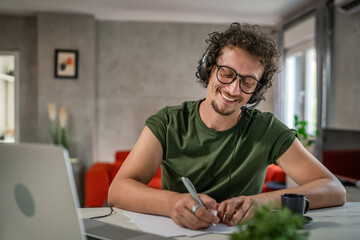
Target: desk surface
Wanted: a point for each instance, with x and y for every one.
(328, 223)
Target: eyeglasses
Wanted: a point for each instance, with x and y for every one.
(227, 75)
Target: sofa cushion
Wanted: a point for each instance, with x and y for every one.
(343, 163)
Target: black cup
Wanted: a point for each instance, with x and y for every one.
(297, 203)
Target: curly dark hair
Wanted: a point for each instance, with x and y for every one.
(249, 38)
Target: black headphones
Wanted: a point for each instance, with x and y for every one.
(201, 73)
(202, 67)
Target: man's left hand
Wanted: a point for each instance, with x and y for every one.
(236, 209)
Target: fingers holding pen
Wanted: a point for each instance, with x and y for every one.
(186, 215)
(208, 213)
(202, 206)
(210, 203)
(182, 215)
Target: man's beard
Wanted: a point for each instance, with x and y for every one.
(219, 111)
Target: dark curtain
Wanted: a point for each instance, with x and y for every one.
(324, 15)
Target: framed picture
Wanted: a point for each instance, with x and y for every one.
(66, 63)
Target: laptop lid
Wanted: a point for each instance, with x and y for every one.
(37, 192)
(38, 198)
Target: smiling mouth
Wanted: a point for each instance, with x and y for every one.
(227, 98)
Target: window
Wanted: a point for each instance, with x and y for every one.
(310, 113)
(299, 82)
(7, 98)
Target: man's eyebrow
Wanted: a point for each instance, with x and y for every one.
(243, 75)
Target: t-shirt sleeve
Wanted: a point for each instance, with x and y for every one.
(283, 137)
(158, 125)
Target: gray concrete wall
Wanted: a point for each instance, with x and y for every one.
(18, 34)
(68, 31)
(143, 67)
(127, 72)
(344, 108)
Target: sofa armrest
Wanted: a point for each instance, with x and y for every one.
(97, 182)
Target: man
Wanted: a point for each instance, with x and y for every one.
(223, 147)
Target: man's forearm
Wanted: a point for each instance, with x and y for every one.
(322, 192)
(132, 195)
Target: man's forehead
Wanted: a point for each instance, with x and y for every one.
(254, 64)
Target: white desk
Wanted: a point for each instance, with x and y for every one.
(328, 223)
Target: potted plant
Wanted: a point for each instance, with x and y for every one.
(58, 126)
(269, 224)
(305, 138)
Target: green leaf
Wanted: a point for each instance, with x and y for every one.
(296, 120)
(64, 141)
(269, 224)
(304, 123)
(305, 138)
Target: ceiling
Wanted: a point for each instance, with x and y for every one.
(263, 12)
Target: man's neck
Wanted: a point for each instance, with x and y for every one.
(215, 120)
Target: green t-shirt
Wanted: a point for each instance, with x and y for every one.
(208, 157)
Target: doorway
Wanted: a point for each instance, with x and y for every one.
(9, 130)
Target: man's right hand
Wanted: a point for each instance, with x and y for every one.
(182, 215)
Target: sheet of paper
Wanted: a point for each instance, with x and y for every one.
(165, 226)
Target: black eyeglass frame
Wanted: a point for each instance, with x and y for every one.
(258, 85)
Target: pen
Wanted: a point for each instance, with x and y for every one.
(191, 189)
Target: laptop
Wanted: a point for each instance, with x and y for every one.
(38, 198)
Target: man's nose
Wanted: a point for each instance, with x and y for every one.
(234, 87)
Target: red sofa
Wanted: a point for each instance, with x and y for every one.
(344, 164)
(100, 175)
(275, 179)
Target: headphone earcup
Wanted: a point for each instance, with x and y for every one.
(202, 66)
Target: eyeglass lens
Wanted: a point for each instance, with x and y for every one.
(227, 75)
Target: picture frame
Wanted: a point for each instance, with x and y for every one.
(66, 63)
